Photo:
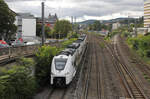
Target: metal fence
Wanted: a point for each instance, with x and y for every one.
(13, 52)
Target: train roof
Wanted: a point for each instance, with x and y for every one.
(67, 52)
(83, 36)
(78, 41)
(73, 45)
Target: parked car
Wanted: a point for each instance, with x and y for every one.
(10, 42)
(30, 43)
(52, 41)
(3, 44)
(18, 43)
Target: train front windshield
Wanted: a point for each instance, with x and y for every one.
(60, 64)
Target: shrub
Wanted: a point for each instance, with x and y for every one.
(75, 35)
(147, 53)
(17, 84)
(28, 62)
(44, 58)
(68, 42)
(134, 43)
(126, 34)
(141, 44)
(72, 35)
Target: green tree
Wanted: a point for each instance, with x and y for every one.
(90, 27)
(7, 18)
(62, 28)
(47, 31)
(39, 30)
(97, 26)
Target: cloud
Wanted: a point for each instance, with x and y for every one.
(80, 8)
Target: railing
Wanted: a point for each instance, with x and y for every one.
(14, 52)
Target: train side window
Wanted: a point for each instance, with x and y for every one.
(78, 45)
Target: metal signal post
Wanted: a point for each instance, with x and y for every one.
(43, 25)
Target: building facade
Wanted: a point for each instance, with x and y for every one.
(116, 25)
(26, 25)
(147, 13)
(50, 21)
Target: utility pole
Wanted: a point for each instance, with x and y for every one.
(43, 25)
(135, 28)
(72, 23)
(128, 23)
(75, 19)
(75, 24)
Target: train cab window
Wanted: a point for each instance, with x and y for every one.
(78, 46)
(60, 64)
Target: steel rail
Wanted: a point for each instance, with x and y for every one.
(129, 80)
(88, 78)
(76, 93)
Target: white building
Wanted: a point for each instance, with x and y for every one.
(116, 25)
(142, 31)
(26, 25)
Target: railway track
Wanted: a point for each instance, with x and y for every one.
(93, 89)
(56, 94)
(131, 84)
(134, 87)
(135, 59)
(100, 82)
(78, 89)
(68, 91)
(86, 88)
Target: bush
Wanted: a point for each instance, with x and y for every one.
(134, 43)
(141, 44)
(28, 62)
(110, 35)
(75, 35)
(44, 58)
(17, 84)
(126, 34)
(72, 35)
(68, 42)
(147, 53)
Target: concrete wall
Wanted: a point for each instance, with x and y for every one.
(28, 27)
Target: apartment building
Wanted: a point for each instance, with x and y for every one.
(147, 13)
(26, 25)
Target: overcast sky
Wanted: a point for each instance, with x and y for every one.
(82, 9)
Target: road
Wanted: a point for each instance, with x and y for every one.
(107, 73)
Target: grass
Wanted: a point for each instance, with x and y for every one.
(102, 45)
(147, 77)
